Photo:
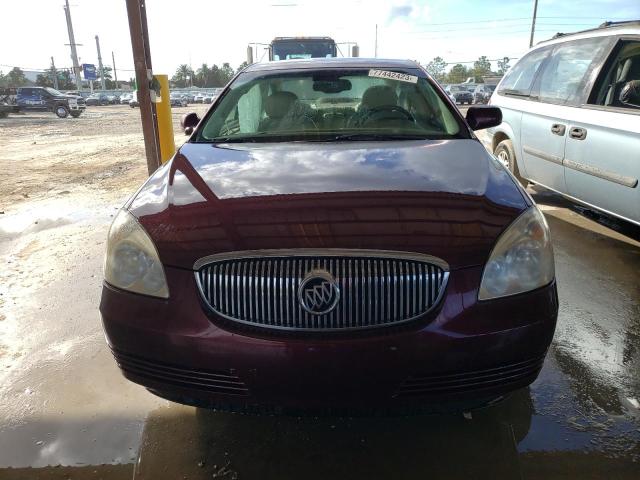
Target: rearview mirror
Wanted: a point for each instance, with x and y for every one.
(189, 121)
(336, 85)
(479, 118)
(630, 94)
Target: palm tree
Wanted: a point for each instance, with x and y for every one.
(203, 75)
(183, 75)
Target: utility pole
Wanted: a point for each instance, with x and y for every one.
(72, 44)
(137, 13)
(55, 74)
(115, 72)
(533, 22)
(100, 64)
(376, 50)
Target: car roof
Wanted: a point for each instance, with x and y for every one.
(631, 27)
(313, 63)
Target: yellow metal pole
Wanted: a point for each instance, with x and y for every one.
(164, 119)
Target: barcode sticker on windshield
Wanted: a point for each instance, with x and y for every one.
(402, 77)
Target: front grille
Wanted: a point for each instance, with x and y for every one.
(375, 289)
(506, 375)
(224, 382)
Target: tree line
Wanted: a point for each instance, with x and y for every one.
(16, 78)
(206, 76)
(437, 68)
(215, 76)
(185, 76)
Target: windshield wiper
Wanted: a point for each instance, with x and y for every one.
(257, 137)
(263, 137)
(374, 137)
(516, 93)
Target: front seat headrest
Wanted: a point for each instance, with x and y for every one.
(378, 96)
(279, 103)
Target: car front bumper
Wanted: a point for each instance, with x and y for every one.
(465, 353)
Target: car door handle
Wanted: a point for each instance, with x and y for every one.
(558, 129)
(578, 133)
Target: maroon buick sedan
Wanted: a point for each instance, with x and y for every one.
(331, 236)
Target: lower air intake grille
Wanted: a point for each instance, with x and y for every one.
(513, 374)
(211, 381)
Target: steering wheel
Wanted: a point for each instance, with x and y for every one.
(392, 109)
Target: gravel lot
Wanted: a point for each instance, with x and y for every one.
(99, 154)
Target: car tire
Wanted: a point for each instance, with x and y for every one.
(76, 114)
(506, 155)
(61, 111)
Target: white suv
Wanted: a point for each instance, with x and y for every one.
(571, 117)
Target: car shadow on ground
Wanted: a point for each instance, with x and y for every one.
(182, 442)
(547, 197)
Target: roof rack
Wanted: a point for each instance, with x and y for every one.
(608, 24)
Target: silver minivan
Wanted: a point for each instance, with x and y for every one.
(571, 117)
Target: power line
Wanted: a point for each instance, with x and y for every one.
(522, 24)
(40, 69)
(482, 34)
(494, 20)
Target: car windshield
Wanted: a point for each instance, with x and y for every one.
(53, 91)
(325, 105)
(291, 49)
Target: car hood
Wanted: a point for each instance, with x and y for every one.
(447, 198)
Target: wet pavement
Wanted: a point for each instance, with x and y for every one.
(66, 412)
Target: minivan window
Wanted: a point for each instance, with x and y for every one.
(519, 79)
(565, 72)
(624, 67)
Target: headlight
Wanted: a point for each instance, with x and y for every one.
(521, 260)
(132, 262)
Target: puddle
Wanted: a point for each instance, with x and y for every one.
(46, 214)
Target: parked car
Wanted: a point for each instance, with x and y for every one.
(49, 99)
(98, 99)
(8, 101)
(178, 100)
(125, 97)
(189, 96)
(572, 118)
(209, 97)
(133, 102)
(482, 93)
(461, 94)
(199, 97)
(113, 99)
(299, 257)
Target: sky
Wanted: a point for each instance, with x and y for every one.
(200, 31)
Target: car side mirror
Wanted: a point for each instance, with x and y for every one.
(189, 121)
(479, 118)
(630, 94)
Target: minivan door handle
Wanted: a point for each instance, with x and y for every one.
(578, 133)
(558, 129)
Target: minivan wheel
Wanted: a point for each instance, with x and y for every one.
(62, 111)
(505, 154)
(75, 114)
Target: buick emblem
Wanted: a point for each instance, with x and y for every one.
(318, 292)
